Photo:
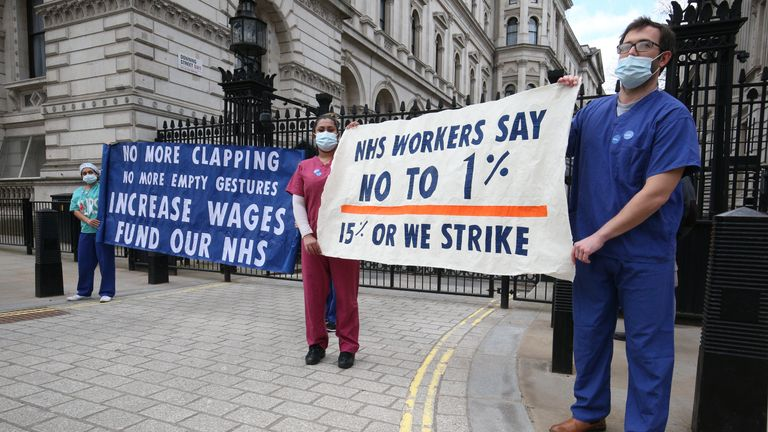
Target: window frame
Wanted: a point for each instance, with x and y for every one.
(533, 36)
(515, 33)
(35, 40)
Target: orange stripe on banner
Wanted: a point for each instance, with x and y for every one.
(449, 210)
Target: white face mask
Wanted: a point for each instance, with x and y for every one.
(326, 141)
(90, 178)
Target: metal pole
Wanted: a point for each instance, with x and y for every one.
(29, 231)
(157, 272)
(505, 292)
(323, 103)
(48, 273)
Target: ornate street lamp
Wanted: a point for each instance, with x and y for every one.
(248, 91)
(249, 37)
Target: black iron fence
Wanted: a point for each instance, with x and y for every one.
(18, 221)
(290, 127)
(15, 223)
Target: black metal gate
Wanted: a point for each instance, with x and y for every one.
(732, 123)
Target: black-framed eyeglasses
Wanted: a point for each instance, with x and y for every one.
(641, 46)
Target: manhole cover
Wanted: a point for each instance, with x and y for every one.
(29, 314)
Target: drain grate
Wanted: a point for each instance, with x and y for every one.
(29, 314)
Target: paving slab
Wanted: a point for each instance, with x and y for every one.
(201, 354)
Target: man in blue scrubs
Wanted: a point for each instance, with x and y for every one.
(630, 151)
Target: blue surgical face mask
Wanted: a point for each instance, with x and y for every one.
(326, 141)
(634, 71)
(90, 178)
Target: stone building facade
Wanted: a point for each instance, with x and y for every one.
(79, 73)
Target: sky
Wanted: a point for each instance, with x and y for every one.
(599, 24)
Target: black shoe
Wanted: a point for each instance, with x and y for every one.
(620, 336)
(330, 326)
(314, 355)
(346, 360)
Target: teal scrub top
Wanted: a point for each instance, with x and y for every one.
(87, 202)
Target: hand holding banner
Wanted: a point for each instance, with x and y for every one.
(478, 189)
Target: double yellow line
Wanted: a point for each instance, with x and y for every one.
(427, 418)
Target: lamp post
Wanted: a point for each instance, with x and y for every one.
(248, 92)
(249, 37)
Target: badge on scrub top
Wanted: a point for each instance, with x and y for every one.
(317, 172)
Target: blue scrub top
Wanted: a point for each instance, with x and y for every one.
(615, 155)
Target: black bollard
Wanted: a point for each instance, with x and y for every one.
(504, 292)
(732, 377)
(562, 327)
(49, 281)
(158, 268)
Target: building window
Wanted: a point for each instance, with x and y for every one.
(22, 156)
(383, 15)
(531, 86)
(512, 31)
(415, 33)
(438, 54)
(485, 22)
(456, 71)
(509, 90)
(533, 31)
(472, 83)
(484, 94)
(513, 2)
(36, 39)
(474, 7)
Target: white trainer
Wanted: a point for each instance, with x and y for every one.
(105, 299)
(76, 297)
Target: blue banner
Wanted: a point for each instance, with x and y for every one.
(220, 203)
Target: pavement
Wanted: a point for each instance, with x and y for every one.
(199, 354)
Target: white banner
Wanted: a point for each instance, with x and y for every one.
(479, 188)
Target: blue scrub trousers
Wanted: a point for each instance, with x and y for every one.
(89, 254)
(645, 291)
(330, 306)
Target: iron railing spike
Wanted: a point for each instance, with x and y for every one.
(735, 10)
(723, 10)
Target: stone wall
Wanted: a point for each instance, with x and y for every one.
(114, 73)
